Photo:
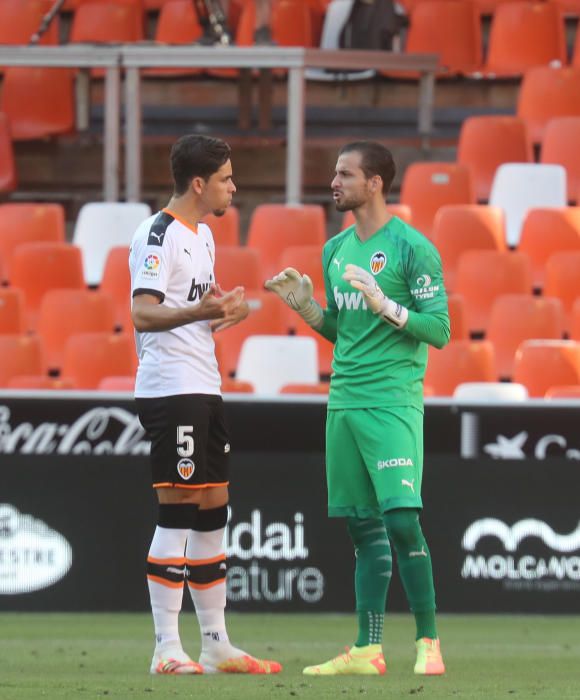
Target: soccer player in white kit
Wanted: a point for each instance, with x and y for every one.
(176, 306)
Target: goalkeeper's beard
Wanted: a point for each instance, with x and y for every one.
(350, 204)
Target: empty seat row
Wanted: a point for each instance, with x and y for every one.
(487, 142)
(539, 365)
(522, 35)
(110, 354)
(122, 21)
(516, 188)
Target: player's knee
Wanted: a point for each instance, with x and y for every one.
(211, 519)
(403, 527)
(177, 516)
(364, 531)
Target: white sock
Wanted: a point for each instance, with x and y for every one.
(167, 550)
(205, 548)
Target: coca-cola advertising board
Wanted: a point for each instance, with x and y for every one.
(77, 511)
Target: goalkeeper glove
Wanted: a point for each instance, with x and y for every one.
(296, 290)
(378, 303)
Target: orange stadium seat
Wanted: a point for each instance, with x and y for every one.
(233, 386)
(291, 23)
(265, 318)
(563, 280)
(237, 265)
(20, 20)
(542, 364)
(401, 210)
(548, 231)
(307, 259)
(39, 267)
(72, 5)
(488, 7)
(576, 50)
(546, 93)
(107, 22)
(40, 382)
(39, 102)
(428, 186)
(568, 7)
(64, 312)
(21, 354)
(457, 318)
(487, 142)
(122, 383)
(274, 227)
(116, 282)
(518, 317)
(111, 355)
(524, 35)
(225, 229)
(177, 24)
(462, 227)
(451, 30)
(483, 275)
(28, 223)
(8, 178)
(570, 391)
(12, 318)
(320, 388)
(561, 144)
(459, 361)
(575, 320)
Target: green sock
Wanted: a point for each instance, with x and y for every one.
(414, 562)
(425, 622)
(372, 576)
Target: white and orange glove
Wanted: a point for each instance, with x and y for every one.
(296, 291)
(377, 302)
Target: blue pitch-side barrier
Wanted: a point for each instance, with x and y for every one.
(501, 492)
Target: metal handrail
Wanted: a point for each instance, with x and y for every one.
(133, 57)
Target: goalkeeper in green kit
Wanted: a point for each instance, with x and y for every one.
(385, 302)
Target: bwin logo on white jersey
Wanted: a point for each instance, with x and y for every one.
(352, 301)
(512, 536)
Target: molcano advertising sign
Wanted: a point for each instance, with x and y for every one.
(33, 556)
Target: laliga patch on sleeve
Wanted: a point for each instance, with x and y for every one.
(151, 266)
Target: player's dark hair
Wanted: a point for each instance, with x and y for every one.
(376, 159)
(194, 155)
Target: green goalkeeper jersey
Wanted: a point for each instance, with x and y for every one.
(374, 363)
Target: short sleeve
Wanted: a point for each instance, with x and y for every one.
(152, 265)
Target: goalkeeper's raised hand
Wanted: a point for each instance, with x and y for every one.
(296, 290)
(378, 303)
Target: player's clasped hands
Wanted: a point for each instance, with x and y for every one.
(230, 307)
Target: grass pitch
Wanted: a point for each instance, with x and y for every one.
(85, 656)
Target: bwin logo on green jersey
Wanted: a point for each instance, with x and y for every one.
(352, 301)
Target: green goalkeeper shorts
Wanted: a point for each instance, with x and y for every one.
(374, 460)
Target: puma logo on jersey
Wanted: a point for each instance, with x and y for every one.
(187, 252)
(410, 484)
(338, 262)
(197, 290)
(156, 238)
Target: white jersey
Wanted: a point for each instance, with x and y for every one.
(173, 261)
